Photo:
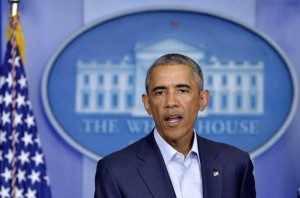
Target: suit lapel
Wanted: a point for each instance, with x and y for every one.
(211, 170)
(156, 177)
(154, 171)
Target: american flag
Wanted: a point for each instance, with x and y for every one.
(22, 162)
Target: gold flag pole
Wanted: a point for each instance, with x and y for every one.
(14, 7)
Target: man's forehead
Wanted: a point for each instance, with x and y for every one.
(169, 70)
(168, 80)
(167, 66)
(171, 76)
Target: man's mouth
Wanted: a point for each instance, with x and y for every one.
(173, 120)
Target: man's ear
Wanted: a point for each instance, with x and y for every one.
(146, 103)
(204, 99)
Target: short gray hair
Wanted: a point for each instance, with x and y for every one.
(176, 59)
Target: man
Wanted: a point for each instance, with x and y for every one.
(173, 161)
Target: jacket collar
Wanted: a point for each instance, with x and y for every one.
(154, 171)
(211, 169)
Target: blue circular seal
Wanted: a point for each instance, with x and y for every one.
(93, 84)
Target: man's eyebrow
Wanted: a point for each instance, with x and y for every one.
(158, 87)
(177, 86)
(183, 85)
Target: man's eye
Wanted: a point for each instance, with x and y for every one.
(183, 91)
(159, 93)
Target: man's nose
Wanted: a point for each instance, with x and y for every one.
(172, 100)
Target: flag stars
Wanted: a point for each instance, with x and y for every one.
(38, 142)
(9, 80)
(22, 162)
(30, 193)
(29, 104)
(29, 120)
(24, 157)
(16, 137)
(19, 193)
(20, 100)
(21, 175)
(27, 139)
(47, 179)
(2, 81)
(15, 61)
(4, 192)
(2, 137)
(5, 118)
(38, 158)
(18, 119)
(34, 177)
(9, 156)
(7, 99)
(6, 174)
(22, 82)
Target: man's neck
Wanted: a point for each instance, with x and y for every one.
(183, 146)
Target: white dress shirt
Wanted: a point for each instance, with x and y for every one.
(185, 173)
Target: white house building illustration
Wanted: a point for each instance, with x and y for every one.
(236, 87)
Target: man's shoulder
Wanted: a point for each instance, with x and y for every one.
(124, 155)
(223, 150)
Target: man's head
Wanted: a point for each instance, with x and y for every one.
(174, 96)
(176, 59)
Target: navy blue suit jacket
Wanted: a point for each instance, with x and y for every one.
(139, 171)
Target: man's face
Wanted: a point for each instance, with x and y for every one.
(174, 100)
